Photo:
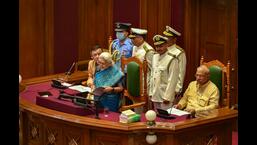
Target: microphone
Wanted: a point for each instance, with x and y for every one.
(69, 71)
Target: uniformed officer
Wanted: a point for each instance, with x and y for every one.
(179, 53)
(137, 37)
(164, 74)
(122, 45)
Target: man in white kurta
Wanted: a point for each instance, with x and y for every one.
(180, 55)
(164, 74)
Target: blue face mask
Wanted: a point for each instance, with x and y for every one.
(120, 35)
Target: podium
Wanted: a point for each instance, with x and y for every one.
(40, 125)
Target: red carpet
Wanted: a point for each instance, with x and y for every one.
(234, 138)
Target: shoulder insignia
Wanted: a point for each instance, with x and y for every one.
(178, 47)
(146, 49)
(110, 47)
(173, 55)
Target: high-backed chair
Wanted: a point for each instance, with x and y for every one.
(81, 65)
(220, 76)
(136, 84)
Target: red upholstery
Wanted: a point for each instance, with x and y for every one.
(67, 106)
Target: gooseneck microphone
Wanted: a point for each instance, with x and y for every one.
(69, 71)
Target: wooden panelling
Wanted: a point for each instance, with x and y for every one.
(31, 42)
(73, 136)
(65, 34)
(234, 50)
(105, 138)
(154, 16)
(35, 38)
(40, 125)
(191, 44)
(211, 31)
(214, 29)
(52, 133)
(49, 34)
(95, 25)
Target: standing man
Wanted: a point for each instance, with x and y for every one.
(137, 37)
(179, 53)
(140, 48)
(122, 45)
(164, 74)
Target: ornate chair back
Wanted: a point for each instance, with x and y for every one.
(220, 76)
(136, 87)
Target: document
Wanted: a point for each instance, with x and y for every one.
(80, 88)
(66, 84)
(177, 112)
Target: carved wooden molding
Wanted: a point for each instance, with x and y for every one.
(73, 142)
(51, 138)
(34, 131)
(207, 140)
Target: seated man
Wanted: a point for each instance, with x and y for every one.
(111, 79)
(201, 94)
(93, 66)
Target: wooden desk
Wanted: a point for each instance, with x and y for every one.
(76, 76)
(41, 126)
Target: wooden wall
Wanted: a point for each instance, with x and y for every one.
(35, 38)
(95, 25)
(211, 31)
(66, 34)
(54, 33)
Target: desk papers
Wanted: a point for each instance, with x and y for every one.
(80, 88)
(66, 84)
(129, 116)
(177, 112)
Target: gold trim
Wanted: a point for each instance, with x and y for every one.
(167, 33)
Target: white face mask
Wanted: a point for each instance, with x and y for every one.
(120, 35)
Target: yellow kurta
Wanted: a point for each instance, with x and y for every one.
(200, 98)
(91, 71)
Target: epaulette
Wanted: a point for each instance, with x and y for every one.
(146, 49)
(173, 55)
(115, 40)
(178, 47)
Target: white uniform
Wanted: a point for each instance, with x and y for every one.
(164, 78)
(139, 52)
(180, 55)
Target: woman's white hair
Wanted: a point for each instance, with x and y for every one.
(107, 57)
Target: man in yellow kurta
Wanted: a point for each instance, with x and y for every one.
(201, 95)
(176, 50)
(93, 66)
